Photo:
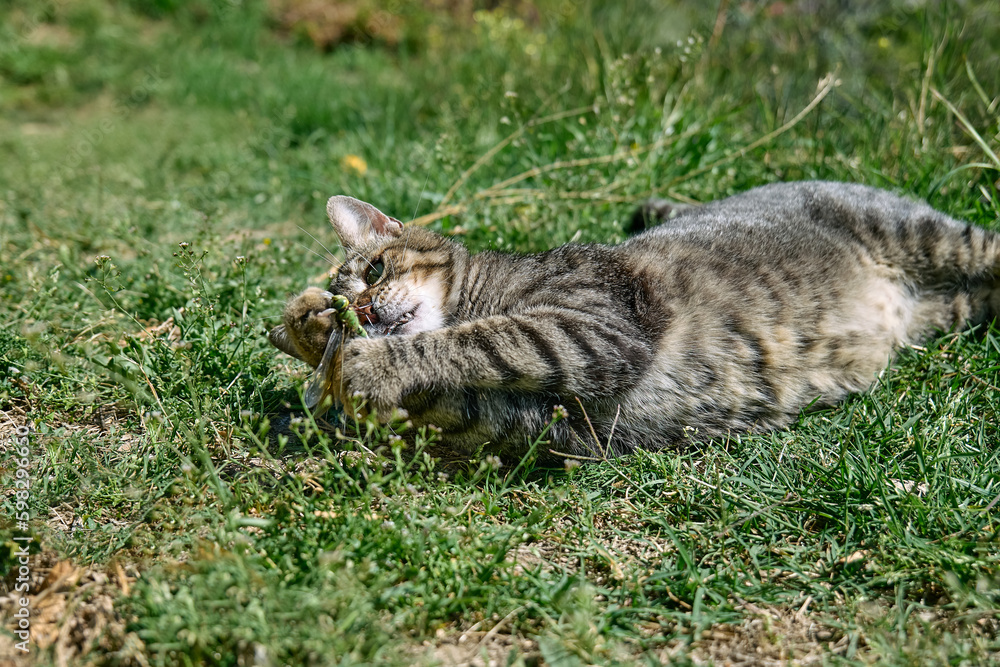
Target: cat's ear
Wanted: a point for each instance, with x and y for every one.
(358, 223)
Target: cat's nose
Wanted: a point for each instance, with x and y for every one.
(366, 313)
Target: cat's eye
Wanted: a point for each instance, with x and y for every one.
(375, 271)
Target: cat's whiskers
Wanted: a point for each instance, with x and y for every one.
(416, 208)
(325, 259)
(332, 255)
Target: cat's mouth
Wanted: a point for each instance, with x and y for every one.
(377, 325)
(405, 319)
(366, 313)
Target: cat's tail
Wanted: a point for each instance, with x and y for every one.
(958, 258)
(953, 251)
(984, 268)
(653, 212)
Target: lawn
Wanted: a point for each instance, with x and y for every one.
(163, 170)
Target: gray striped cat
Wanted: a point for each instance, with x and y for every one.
(729, 317)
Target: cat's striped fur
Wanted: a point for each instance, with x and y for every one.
(729, 317)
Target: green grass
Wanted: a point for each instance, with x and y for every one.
(163, 169)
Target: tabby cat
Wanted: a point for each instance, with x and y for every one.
(726, 318)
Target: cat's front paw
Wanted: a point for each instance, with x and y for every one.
(307, 324)
(368, 376)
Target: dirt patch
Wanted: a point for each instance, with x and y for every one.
(51, 35)
(476, 648)
(108, 431)
(72, 614)
(327, 24)
(92, 421)
(613, 549)
(771, 636)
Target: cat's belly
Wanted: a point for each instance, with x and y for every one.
(857, 343)
(715, 373)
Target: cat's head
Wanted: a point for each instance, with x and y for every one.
(399, 280)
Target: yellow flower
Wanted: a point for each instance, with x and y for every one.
(354, 163)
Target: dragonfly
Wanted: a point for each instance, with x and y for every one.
(350, 326)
